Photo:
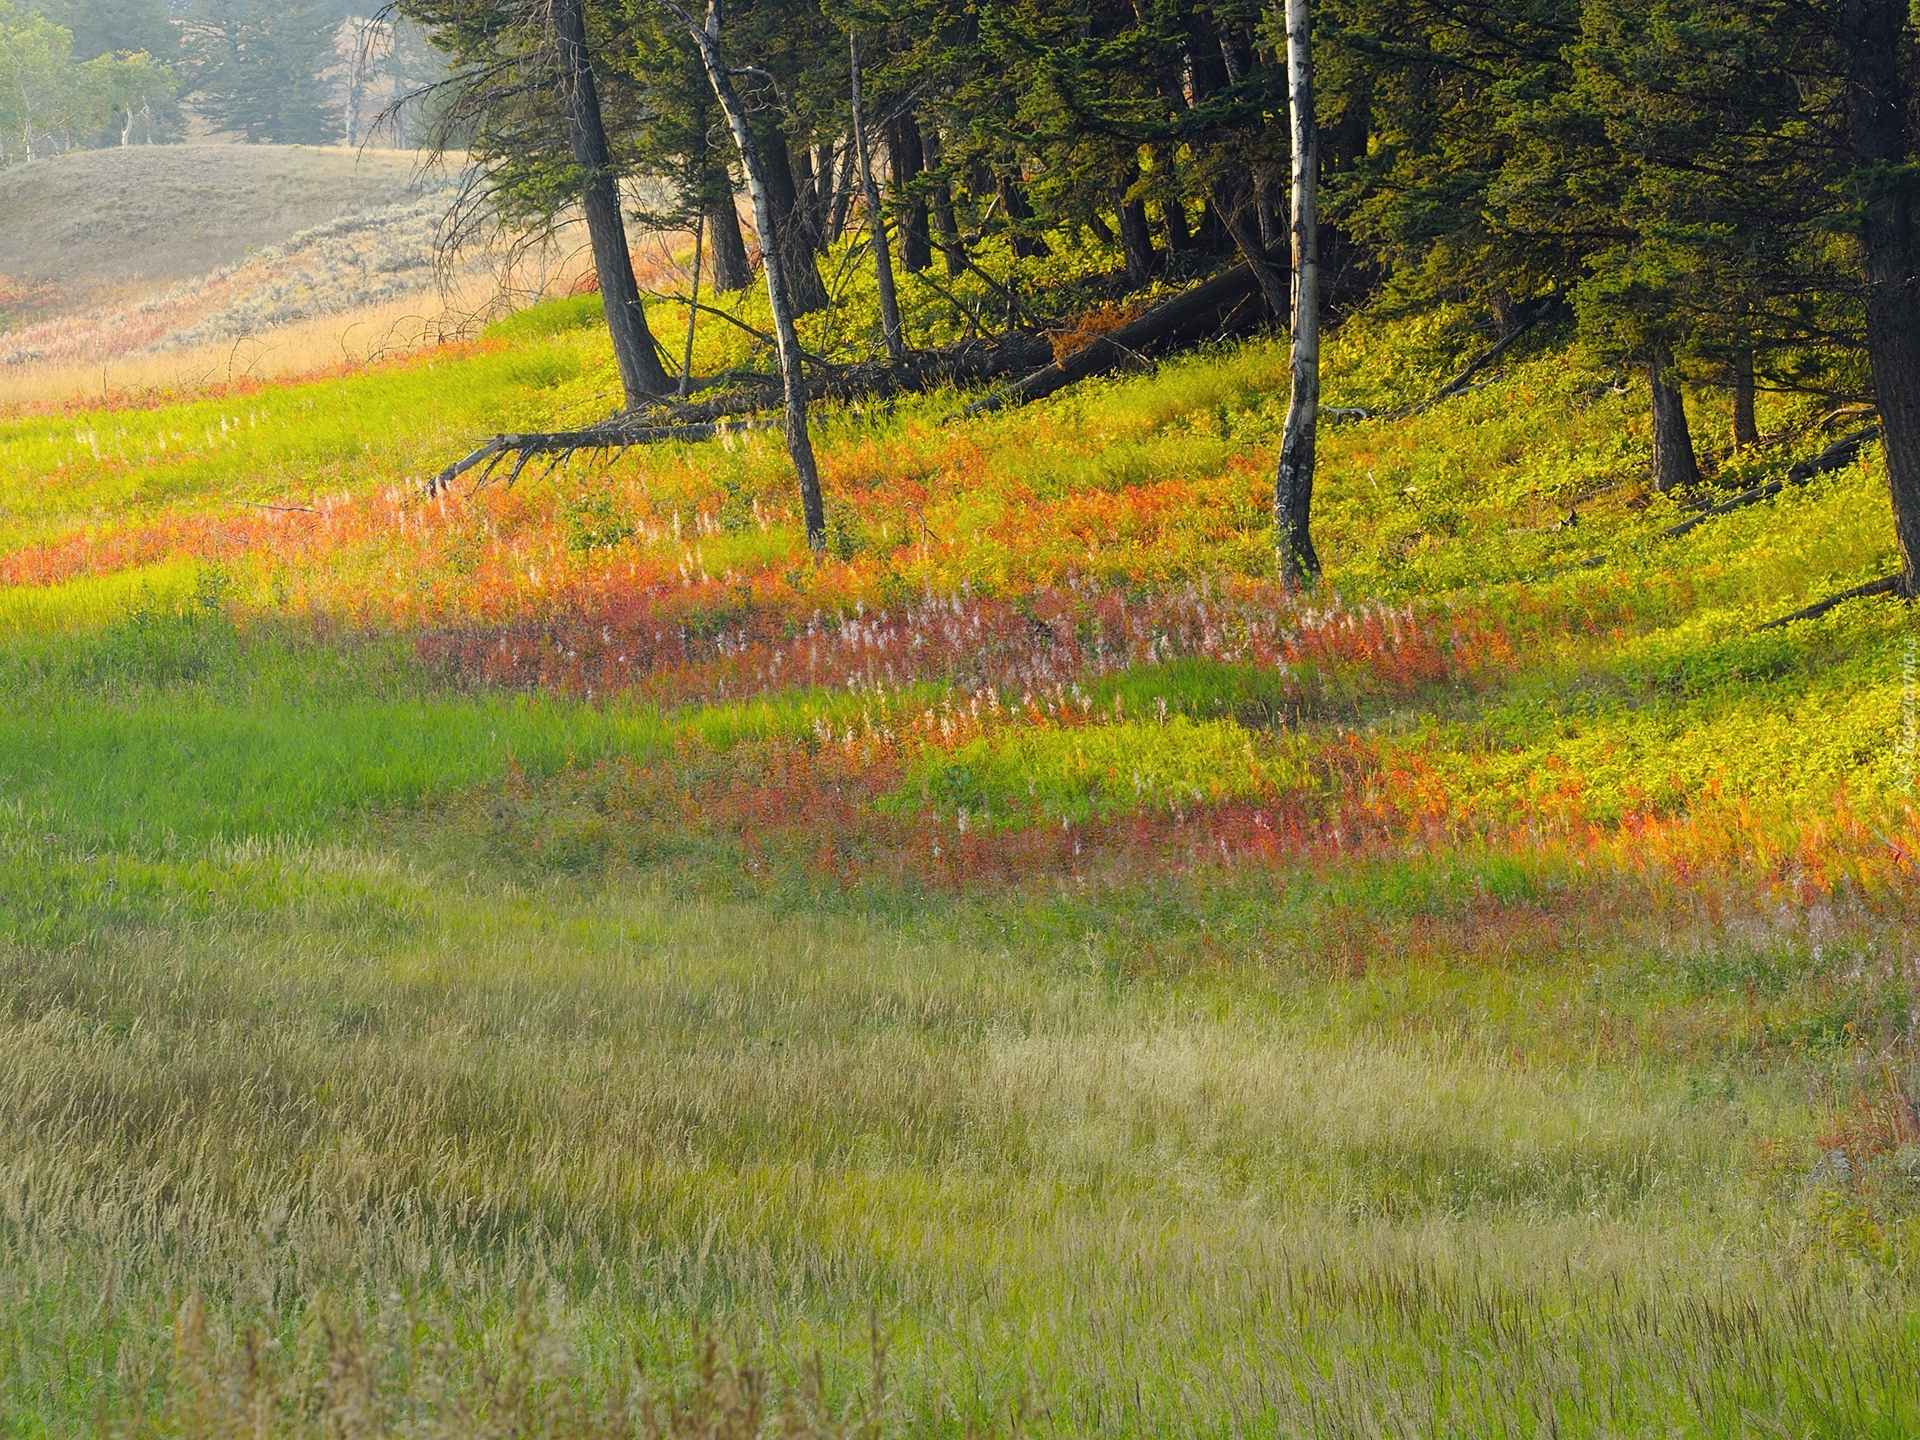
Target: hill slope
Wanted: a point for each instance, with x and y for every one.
(95, 225)
(451, 948)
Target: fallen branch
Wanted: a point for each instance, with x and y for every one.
(1839, 453)
(971, 363)
(616, 434)
(1885, 585)
(1548, 305)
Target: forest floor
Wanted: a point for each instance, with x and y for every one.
(453, 950)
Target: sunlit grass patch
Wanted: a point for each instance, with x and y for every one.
(90, 601)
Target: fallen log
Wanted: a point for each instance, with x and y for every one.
(1229, 302)
(1885, 585)
(970, 362)
(1840, 452)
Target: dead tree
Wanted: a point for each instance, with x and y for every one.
(642, 376)
(1293, 482)
(792, 383)
(876, 218)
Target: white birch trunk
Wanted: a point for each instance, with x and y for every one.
(1293, 484)
(793, 382)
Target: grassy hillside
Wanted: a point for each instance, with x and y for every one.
(100, 225)
(451, 950)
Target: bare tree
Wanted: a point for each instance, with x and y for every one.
(876, 218)
(1293, 484)
(787, 341)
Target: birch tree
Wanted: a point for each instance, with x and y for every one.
(1293, 484)
(787, 340)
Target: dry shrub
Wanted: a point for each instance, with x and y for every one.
(1091, 325)
(1881, 1120)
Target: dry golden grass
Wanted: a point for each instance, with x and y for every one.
(100, 225)
(490, 285)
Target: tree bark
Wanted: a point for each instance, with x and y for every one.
(1674, 467)
(944, 225)
(792, 381)
(731, 271)
(1745, 431)
(910, 202)
(1293, 483)
(1871, 31)
(1136, 235)
(1235, 211)
(876, 218)
(789, 235)
(642, 376)
(1013, 200)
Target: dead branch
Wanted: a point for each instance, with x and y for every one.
(1885, 585)
(615, 434)
(1839, 453)
(1548, 306)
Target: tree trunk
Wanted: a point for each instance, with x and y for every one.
(809, 198)
(1293, 484)
(876, 218)
(642, 377)
(730, 268)
(1745, 432)
(804, 291)
(943, 222)
(792, 382)
(909, 159)
(1269, 221)
(1173, 219)
(693, 310)
(1876, 121)
(1013, 201)
(842, 201)
(1674, 467)
(1235, 211)
(1136, 235)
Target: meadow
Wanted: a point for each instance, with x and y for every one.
(554, 960)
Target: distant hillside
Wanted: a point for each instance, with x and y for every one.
(100, 225)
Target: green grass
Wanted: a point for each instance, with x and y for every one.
(352, 1061)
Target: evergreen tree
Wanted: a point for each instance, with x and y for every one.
(255, 69)
(115, 27)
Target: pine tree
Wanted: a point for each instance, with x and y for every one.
(255, 69)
